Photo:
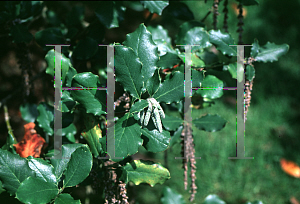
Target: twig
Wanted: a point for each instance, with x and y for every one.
(6, 117)
(203, 19)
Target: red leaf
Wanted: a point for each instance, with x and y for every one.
(290, 168)
(31, 144)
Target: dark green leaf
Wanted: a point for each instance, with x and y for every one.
(93, 100)
(128, 70)
(138, 106)
(1, 188)
(154, 141)
(170, 196)
(222, 42)
(65, 198)
(127, 136)
(49, 36)
(29, 112)
(43, 169)
(139, 171)
(107, 14)
(153, 83)
(60, 165)
(155, 6)
(158, 33)
(69, 132)
(197, 36)
(211, 87)
(68, 80)
(144, 47)
(210, 123)
(178, 10)
(67, 101)
(236, 70)
(168, 60)
(46, 117)
(14, 169)
(79, 166)
(85, 49)
(171, 90)
(197, 78)
(36, 191)
(176, 136)
(254, 48)
(184, 28)
(20, 34)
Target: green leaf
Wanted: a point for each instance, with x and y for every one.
(29, 112)
(66, 198)
(128, 70)
(69, 132)
(170, 196)
(36, 191)
(46, 117)
(255, 202)
(250, 72)
(236, 70)
(197, 78)
(93, 100)
(79, 166)
(68, 80)
(144, 47)
(249, 2)
(139, 171)
(49, 36)
(176, 136)
(178, 10)
(92, 133)
(20, 34)
(215, 86)
(67, 101)
(85, 49)
(222, 42)
(155, 6)
(270, 52)
(153, 83)
(168, 60)
(127, 136)
(254, 48)
(184, 28)
(197, 36)
(171, 123)
(210, 123)
(108, 12)
(61, 164)
(159, 33)
(65, 64)
(154, 141)
(171, 90)
(213, 199)
(139, 106)
(42, 169)
(1, 188)
(14, 169)
(196, 61)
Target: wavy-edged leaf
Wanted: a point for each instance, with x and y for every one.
(144, 47)
(93, 100)
(139, 171)
(254, 48)
(153, 83)
(168, 60)
(36, 191)
(107, 14)
(236, 70)
(213, 199)
(128, 69)
(222, 42)
(67, 101)
(155, 6)
(139, 106)
(85, 49)
(46, 117)
(197, 78)
(210, 123)
(127, 136)
(79, 166)
(154, 141)
(197, 36)
(29, 112)
(176, 136)
(270, 52)
(159, 32)
(250, 72)
(184, 28)
(49, 36)
(13, 170)
(171, 90)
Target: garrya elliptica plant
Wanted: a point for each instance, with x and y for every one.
(149, 70)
